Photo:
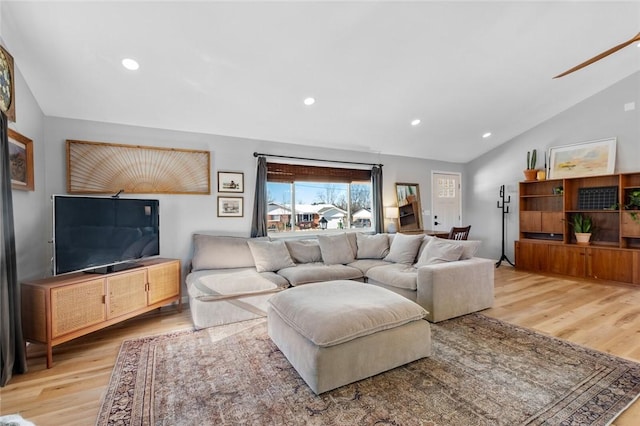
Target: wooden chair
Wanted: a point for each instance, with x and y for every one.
(459, 233)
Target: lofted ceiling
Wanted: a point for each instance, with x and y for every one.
(244, 68)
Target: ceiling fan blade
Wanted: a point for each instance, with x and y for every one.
(600, 56)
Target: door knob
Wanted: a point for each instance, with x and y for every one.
(436, 223)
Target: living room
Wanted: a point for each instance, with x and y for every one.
(598, 114)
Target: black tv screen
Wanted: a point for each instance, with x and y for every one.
(97, 234)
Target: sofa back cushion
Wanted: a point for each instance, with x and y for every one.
(220, 252)
(336, 249)
(372, 246)
(404, 248)
(439, 251)
(423, 245)
(304, 251)
(469, 248)
(270, 256)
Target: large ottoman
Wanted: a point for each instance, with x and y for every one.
(338, 332)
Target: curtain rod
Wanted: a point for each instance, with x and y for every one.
(258, 154)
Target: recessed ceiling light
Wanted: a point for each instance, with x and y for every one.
(415, 122)
(486, 135)
(130, 64)
(309, 101)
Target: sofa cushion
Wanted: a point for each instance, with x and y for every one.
(469, 248)
(423, 245)
(351, 237)
(404, 248)
(372, 246)
(270, 256)
(220, 252)
(304, 251)
(336, 249)
(365, 264)
(439, 251)
(317, 311)
(397, 275)
(231, 281)
(305, 273)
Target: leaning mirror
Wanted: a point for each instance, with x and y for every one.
(409, 210)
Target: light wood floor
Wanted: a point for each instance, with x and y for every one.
(602, 316)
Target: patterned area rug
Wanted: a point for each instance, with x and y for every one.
(482, 372)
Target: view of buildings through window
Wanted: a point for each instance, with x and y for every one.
(302, 206)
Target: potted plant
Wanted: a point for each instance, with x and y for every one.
(634, 200)
(583, 227)
(634, 204)
(530, 172)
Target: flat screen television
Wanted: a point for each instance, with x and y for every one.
(103, 234)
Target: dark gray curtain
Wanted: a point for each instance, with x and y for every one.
(259, 223)
(376, 190)
(12, 350)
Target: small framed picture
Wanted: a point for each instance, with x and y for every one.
(21, 161)
(230, 207)
(230, 182)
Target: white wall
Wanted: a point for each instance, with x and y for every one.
(29, 206)
(598, 117)
(182, 215)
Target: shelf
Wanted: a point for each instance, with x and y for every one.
(592, 211)
(547, 243)
(541, 196)
(607, 244)
(538, 240)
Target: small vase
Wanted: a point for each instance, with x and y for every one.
(541, 175)
(583, 238)
(530, 174)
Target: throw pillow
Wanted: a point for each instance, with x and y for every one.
(404, 248)
(335, 249)
(372, 246)
(304, 251)
(439, 251)
(423, 245)
(270, 256)
(469, 248)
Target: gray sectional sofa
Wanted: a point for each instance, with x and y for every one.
(232, 278)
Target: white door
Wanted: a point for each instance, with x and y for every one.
(446, 202)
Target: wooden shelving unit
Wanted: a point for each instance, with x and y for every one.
(547, 243)
(61, 308)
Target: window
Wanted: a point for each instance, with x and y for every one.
(446, 187)
(300, 196)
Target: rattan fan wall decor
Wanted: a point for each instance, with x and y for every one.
(107, 168)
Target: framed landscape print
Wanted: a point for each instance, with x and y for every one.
(230, 207)
(230, 182)
(21, 161)
(583, 159)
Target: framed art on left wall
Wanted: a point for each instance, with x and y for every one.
(21, 160)
(7, 85)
